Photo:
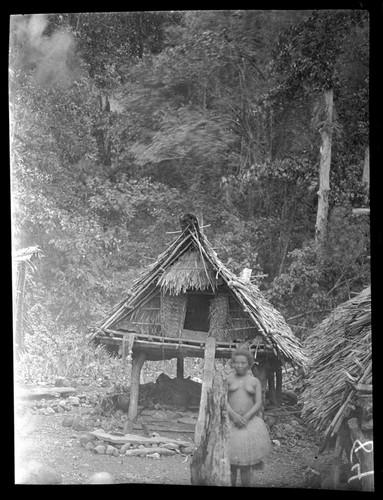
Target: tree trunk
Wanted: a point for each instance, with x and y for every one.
(208, 375)
(325, 130)
(138, 361)
(210, 465)
(101, 131)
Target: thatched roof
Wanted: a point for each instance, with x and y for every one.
(190, 271)
(191, 263)
(340, 351)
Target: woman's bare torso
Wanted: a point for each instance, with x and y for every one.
(241, 393)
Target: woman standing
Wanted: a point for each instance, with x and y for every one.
(249, 439)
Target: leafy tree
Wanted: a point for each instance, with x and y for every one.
(309, 60)
(121, 122)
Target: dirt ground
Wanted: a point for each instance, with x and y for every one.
(43, 438)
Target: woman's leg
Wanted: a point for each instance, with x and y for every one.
(246, 476)
(233, 471)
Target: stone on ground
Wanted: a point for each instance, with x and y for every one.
(85, 439)
(74, 400)
(124, 447)
(68, 421)
(89, 446)
(100, 449)
(111, 450)
(78, 424)
(62, 382)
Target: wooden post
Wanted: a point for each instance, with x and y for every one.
(137, 362)
(208, 375)
(127, 349)
(364, 453)
(180, 367)
(123, 347)
(261, 374)
(210, 465)
(332, 480)
(337, 458)
(271, 383)
(278, 384)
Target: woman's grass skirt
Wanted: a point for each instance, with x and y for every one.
(249, 444)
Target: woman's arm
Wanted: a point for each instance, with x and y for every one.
(258, 401)
(238, 419)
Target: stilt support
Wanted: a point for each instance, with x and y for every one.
(180, 367)
(137, 362)
(127, 350)
(271, 384)
(278, 384)
(261, 373)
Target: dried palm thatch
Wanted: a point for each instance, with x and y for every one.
(190, 262)
(190, 272)
(340, 350)
(146, 319)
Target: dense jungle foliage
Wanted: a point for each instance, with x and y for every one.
(121, 122)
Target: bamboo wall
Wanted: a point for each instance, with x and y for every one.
(165, 315)
(219, 314)
(239, 323)
(173, 310)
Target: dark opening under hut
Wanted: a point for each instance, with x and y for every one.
(188, 296)
(337, 399)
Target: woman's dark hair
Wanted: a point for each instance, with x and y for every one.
(245, 353)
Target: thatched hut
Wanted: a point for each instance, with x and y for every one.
(188, 296)
(338, 397)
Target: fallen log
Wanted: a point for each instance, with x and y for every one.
(44, 392)
(143, 451)
(135, 439)
(171, 429)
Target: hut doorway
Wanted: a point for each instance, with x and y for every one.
(197, 312)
